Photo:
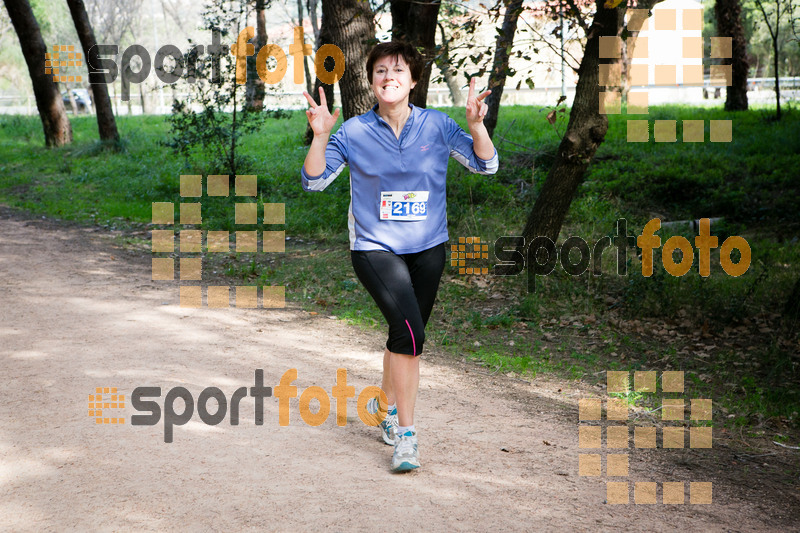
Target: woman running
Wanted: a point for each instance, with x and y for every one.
(397, 220)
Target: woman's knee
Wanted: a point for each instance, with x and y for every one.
(407, 337)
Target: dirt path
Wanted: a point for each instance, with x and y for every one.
(497, 453)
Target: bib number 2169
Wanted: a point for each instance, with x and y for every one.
(404, 205)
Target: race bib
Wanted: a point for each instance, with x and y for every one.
(404, 205)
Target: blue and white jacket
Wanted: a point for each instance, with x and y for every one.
(380, 162)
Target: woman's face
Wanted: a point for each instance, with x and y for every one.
(391, 80)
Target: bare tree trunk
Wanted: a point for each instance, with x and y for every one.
(443, 62)
(497, 79)
(352, 28)
(774, 33)
(792, 306)
(309, 83)
(312, 13)
(415, 22)
(776, 63)
(452, 84)
(454, 88)
(141, 98)
(323, 38)
(232, 157)
(90, 90)
(56, 126)
(71, 99)
(585, 132)
(626, 56)
(255, 89)
(729, 24)
(106, 124)
(629, 44)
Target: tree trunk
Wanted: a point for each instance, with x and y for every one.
(776, 63)
(415, 22)
(497, 79)
(351, 27)
(324, 37)
(452, 84)
(90, 90)
(776, 55)
(792, 307)
(71, 99)
(629, 45)
(443, 62)
(585, 132)
(775, 34)
(729, 24)
(309, 82)
(56, 126)
(312, 14)
(142, 99)
(255, 89)
(106, 124)
(454, 88)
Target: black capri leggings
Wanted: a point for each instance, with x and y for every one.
(404, 287)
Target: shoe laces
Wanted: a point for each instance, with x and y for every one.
(389, 421)
(406, 443)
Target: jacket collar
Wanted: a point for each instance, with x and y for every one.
(377, 117)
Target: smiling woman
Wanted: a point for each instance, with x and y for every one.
(398, 156)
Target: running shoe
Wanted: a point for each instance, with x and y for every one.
(389, 423)
(406, 455)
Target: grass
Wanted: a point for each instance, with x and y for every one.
(725, 332)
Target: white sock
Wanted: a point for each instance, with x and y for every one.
(392, 409)
(401, 430)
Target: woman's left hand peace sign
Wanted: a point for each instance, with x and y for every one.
(476, 107)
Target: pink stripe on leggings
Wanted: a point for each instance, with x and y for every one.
(413, 342)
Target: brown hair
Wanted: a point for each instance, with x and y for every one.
(395, 49)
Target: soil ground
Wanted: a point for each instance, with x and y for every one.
(498, 453)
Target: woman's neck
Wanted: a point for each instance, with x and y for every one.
(395, 115)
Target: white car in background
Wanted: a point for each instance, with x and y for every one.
(82, 100)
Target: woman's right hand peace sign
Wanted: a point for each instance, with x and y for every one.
(319, 117)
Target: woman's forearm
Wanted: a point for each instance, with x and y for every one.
(315, 159)
(481, 142)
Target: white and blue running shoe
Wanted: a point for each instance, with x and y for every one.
(406, 454)
(389, 424)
